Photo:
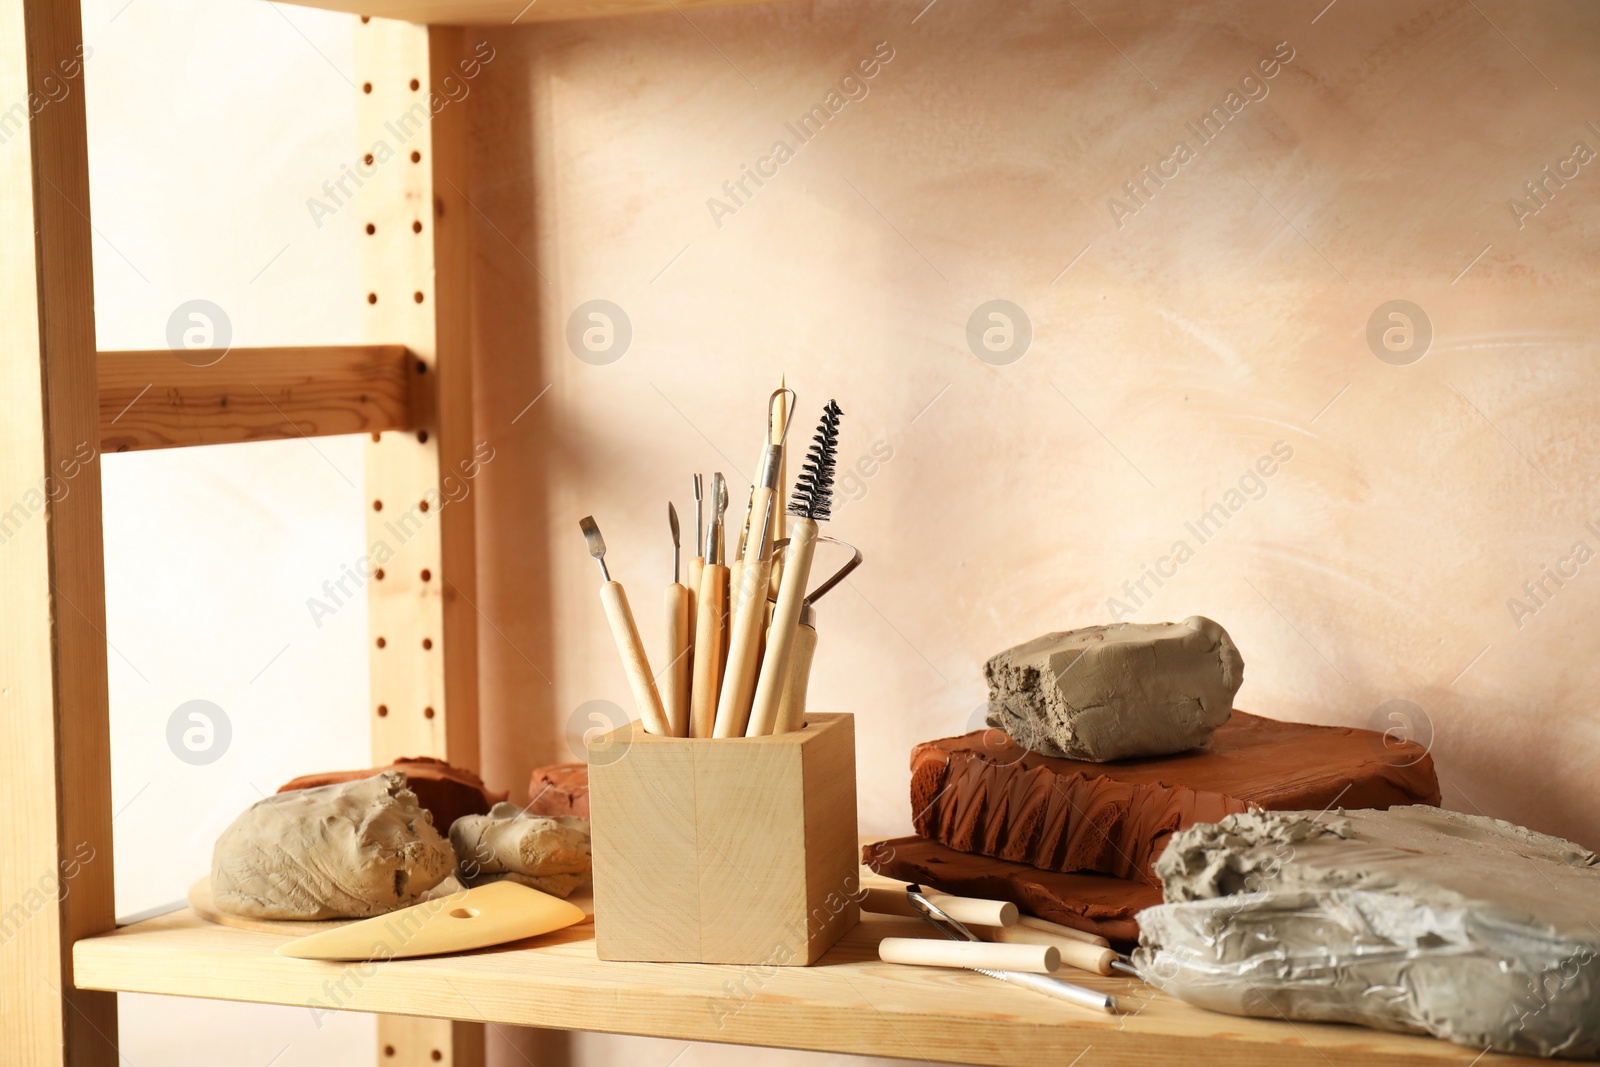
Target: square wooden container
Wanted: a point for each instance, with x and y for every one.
(738, 850)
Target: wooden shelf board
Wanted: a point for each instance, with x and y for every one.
(505, 12)
(849, 1002)
(159, 399)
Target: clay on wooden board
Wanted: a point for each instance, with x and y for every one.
(1096, 903)
(548, 853)
(1118, 691)
(1418, 919)
(447, 791)
(984, 793)
(559, 789)
(347, 850)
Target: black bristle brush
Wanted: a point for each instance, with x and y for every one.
(813, 489)
(789, 644)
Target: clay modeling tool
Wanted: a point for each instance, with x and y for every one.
(697, 564)
(791, 707)
(755, 538)
(646, 698)
(676, 698)
(777, 431)
(1074, 953)
(813, 494)
(1047, 927)
(970, 910)
(473, 918)
(711, 605)
(736, 565)
(744, 646)
(926, 952)
(955, 931)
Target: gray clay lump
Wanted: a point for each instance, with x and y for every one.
(350, 850)
(1119, 691)
(548, 853)
(1417, 919)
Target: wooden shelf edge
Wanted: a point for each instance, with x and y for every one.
(848, 1003)
(168, 399)
(507, 12)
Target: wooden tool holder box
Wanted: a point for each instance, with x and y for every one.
(728, 850)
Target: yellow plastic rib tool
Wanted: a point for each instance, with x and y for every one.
(473, 918)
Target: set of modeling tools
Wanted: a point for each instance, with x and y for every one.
(993, 938)
(740, 632)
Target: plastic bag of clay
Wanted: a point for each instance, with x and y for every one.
(1480, 977)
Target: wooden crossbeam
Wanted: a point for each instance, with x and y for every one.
(165, 399)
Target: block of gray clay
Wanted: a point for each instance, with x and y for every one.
(349, 850)
(1116, 692)
(544, 852)
(1414, 919)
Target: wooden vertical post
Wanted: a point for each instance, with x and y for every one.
(55, 837)
(409, 193)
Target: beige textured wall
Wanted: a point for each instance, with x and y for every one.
(1173, 346)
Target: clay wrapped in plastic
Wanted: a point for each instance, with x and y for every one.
(1416, 919)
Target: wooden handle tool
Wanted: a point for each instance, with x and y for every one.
(1048, 927)
(971, 911)
(744, 642)
(646, 699)
(711, 616)
(711, 613)
(697, 564)
(782, 638)
(792, 707)
(1079, 954)
(676, 697)
(930, 952)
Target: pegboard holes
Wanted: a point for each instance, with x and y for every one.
(382, 643)
(427, 644)
(427, 713)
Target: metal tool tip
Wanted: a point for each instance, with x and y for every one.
(672, 521)
(591, 534)
(697, 489)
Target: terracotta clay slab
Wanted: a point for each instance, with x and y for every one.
(559, 789)
(1097, 903)
(984, 793)
(446, 791)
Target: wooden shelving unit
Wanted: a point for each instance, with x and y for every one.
(410, 389)
(848, 1002)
